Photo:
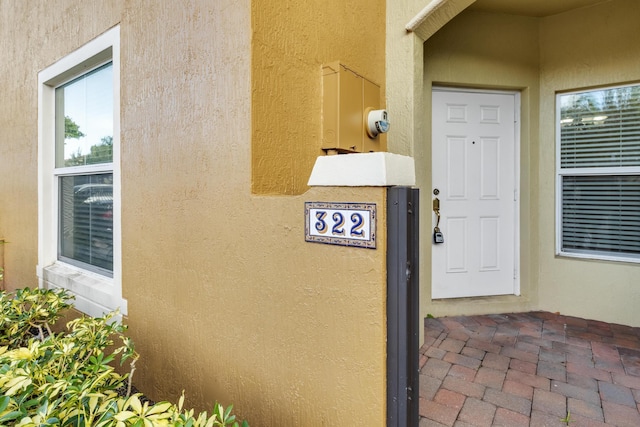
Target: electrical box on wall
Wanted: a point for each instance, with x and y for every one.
(352, 119)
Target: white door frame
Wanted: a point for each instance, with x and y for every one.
(517, 129)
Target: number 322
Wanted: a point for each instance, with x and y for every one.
(338, 224)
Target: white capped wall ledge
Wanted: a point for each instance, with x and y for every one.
(363, 170)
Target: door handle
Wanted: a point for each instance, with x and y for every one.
(436, 209)
(437, 234)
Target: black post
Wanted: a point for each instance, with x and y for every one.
(403, 307)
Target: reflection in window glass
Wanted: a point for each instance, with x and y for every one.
(600, 128)
(84, 119)
(86, 219)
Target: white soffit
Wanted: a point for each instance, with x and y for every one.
(363, 170)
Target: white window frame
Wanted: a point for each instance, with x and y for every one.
(586, 171)
(95, 294)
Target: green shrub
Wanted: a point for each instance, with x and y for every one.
(67, 379)
(29, 310)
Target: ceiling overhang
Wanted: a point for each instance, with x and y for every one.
(437, 13)
(533, 8)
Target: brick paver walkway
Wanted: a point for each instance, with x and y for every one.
(531, 369)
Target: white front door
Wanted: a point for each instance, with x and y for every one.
(474, 167)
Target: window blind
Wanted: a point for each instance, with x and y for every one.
(601, 214)
(86, 219)
(600, 128)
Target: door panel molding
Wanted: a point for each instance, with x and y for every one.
(476, 166)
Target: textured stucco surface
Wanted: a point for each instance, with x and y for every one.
(26, 49)
(291, 42)
(225, 298)
(585, 48)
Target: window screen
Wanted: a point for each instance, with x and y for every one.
(601, 214)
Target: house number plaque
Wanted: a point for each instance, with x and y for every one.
(344, 224)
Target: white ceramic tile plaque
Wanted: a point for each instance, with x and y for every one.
(344, 224)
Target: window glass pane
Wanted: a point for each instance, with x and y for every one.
(86, 219)
(601, 214)
(84, 119)
(600, 128)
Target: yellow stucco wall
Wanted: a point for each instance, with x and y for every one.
(485, 51)
(585, 48)
(225, 298)
(291, 41)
